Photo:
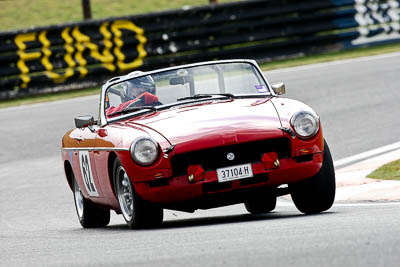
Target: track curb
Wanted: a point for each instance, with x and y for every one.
(353, 185)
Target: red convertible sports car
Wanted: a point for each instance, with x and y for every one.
(196, 136)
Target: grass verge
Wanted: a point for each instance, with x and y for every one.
(325, 57)
(390, 171)
(21, 14)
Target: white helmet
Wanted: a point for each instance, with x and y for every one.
(129, 87)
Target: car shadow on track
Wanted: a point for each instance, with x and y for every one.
(216, 220)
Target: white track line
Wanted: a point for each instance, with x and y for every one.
(50, 103)
(333, 63)
(365, 155)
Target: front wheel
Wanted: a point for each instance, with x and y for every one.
(137, 212)
(263, 203)
(316, 194)
(89, 215)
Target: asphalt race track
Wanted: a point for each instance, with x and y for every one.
(359, 104)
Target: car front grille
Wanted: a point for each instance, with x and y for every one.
(213, 158)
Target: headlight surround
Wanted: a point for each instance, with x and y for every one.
(305, 124)
(144, 151)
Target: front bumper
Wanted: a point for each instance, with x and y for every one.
(167, 191)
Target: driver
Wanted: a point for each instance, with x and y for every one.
(136, 92)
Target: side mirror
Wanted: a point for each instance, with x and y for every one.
(84, 121)
(279, 88)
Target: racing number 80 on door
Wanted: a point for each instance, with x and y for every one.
(87, 174)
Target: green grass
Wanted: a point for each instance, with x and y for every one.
(19, 14)
(390, 171)
(359, 52)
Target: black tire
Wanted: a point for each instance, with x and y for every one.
(317, 193)
(137, 212)
(89, 215)
(262, 203)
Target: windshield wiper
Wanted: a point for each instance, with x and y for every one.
(130, 109)
(199, 96)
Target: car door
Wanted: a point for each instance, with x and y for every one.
(84, 163)
(103, 146)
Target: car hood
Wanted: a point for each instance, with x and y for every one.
(203, 125)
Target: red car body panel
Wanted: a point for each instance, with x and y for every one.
(192, 127)
(215, 124)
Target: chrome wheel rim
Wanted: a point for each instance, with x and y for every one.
(78, 199)
(125, 194)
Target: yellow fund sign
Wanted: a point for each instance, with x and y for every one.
(20, 41)
(128, 25)
(75, 44)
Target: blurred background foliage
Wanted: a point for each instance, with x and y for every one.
(20, 14)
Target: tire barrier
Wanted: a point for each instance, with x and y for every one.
(75, 55)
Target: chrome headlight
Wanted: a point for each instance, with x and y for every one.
(305, 124)
(144, 151)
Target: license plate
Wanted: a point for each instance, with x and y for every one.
(234, 172)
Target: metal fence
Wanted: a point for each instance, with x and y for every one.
(73, 55)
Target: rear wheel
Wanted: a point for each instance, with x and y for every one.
(317, 193)
(262, 203)
(89, 215)
(137, 212)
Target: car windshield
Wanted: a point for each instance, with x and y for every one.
(181, 85)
